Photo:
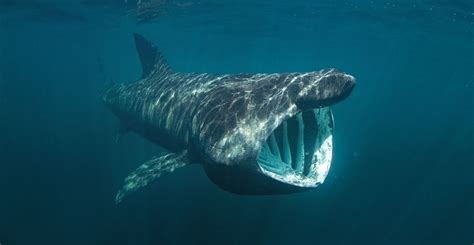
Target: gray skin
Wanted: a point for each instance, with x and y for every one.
(252, 133)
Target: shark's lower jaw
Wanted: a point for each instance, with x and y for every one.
(299, 151)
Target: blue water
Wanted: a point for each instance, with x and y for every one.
(403, 169)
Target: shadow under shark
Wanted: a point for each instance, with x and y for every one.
(252, 133)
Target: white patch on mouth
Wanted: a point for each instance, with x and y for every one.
(325, 154)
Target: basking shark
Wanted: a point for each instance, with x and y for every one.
(253, 133)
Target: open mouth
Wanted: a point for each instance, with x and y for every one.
(299, 150)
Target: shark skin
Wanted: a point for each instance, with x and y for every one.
(254, 134)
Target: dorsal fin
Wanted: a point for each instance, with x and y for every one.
(151, 58)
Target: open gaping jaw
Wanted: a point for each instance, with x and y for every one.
(299, 151)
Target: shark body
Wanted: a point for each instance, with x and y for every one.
(252, 133)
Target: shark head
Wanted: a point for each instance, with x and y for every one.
(271, 133)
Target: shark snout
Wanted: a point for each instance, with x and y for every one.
(326, 90)
(347, 84)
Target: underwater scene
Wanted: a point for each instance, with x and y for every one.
(236, 122)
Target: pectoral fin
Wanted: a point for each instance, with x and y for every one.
(151, 170)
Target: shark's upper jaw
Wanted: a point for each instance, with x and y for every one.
(299, 151)
(326, 90)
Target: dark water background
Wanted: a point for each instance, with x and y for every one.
(403, 169)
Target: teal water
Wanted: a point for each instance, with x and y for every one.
(403, 169)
